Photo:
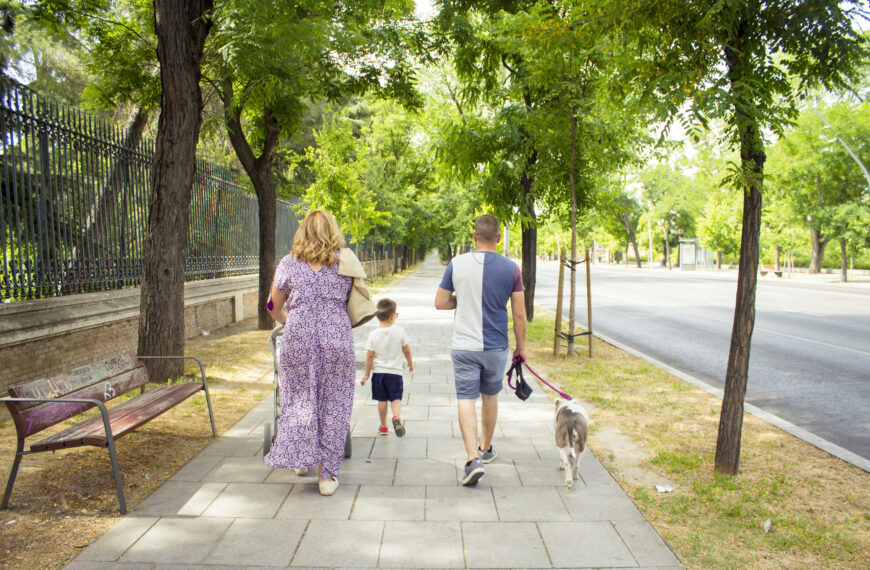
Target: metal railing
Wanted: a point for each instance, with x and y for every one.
(74, 205)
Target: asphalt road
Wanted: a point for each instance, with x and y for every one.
(810, 356)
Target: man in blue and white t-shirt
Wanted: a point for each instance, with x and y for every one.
(478, 285)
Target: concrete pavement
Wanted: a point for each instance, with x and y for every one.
(399, 503)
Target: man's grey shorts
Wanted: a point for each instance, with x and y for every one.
(477, 372)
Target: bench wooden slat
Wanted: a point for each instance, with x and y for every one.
(123, 418)
(86, 427)
(63, 384)
(36, 418)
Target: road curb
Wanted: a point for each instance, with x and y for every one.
(798, 432)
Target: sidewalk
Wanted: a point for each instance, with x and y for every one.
(399, 503)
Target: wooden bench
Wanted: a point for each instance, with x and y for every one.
(765, 268)
(43, 403)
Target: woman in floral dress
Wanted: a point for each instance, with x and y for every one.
(317, 363)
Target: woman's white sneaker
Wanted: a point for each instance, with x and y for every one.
(327, 486)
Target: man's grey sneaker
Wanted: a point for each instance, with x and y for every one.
(473, 472)
(488, 455)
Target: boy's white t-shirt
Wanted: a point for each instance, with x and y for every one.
(387, 343)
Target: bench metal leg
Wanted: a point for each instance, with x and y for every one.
(18, 453)
(210, 414)
(117, 474)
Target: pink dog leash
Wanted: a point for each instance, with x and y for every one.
(516, 366)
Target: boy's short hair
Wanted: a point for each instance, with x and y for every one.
(487, 228)
(386, 308)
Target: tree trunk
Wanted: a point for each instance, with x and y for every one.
(530, 237)
(752, 158)
(819, 245)
(632, 238)
(844, 261)
(530, 229)
(267, 209)
(181, 27)
(573, 276)
(718, 260)
(776, 259)
(259, 169)
(666, 229)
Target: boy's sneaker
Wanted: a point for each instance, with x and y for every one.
(383, 430)
(486, 456)
(473, 472)
(399, 426)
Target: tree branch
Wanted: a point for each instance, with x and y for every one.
(270, 142)
(233, 121)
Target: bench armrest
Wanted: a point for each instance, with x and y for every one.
(204, 384)
(198, 361)
(99, 403)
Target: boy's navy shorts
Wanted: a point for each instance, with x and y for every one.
(386, 387)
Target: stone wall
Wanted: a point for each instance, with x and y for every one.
(47, 336)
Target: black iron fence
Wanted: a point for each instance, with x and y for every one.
(75, 205)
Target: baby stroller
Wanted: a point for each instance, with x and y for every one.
(270, 429)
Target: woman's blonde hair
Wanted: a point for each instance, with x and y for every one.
(318, 239)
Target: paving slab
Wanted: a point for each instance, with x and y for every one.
(429, 428)
(112, 545)
(645, 544)
(445, 449)
(178, 541)
(305, 503)
(340, 543)
(396, 448)
(504, 545)
(529, 504)
(78, 564)
(249, 542)
(389, 503)
(425, 472)
(399, 503)
(402, 548)
(239, 470)
(189, 498)
(499, 473)
(586, 544)
(235, 446)
(460, 504)
(594, 504)
(197, 468)
(248, 500)
(366, 470)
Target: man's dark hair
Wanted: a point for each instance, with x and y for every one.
(487, 228)
(386, 308)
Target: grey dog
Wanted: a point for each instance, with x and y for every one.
(572, 427)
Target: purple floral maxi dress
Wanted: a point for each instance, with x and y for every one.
(317, 366)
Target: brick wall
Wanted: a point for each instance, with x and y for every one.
(207, 317)
(47, 356)
(250, 305)
(24, 361)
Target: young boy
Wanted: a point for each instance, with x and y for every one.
(386, 345)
